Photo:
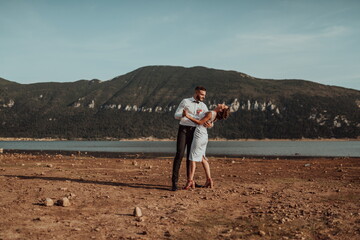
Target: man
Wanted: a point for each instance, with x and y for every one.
(195, 107)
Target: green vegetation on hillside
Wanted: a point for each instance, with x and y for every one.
(141, 104)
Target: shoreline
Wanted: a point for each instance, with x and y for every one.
(152, 139)
(147, 155)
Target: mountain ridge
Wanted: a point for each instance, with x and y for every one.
(262, 108)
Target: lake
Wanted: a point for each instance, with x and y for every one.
(246, 148)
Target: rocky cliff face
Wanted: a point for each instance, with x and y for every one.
(137, 104)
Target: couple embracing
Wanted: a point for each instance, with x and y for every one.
(195, 118)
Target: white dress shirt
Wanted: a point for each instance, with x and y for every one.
(195, 109)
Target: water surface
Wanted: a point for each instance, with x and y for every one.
(249, 148)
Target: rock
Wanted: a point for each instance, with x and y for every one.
(143, 233)
(140, 219)
(167, 234)
(262, 233)
(71, 196)
(49, 165)
(48, 202)
(307, 165)
(64, 202)
(137, 212)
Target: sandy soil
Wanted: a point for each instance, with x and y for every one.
(312, 198)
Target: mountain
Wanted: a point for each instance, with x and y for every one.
(142, 103)
(4, 82)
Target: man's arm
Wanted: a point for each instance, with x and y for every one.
(179, 111)
(197, 121)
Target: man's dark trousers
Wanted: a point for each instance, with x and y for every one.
(184, 139)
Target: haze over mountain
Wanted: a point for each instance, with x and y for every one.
(142, 103)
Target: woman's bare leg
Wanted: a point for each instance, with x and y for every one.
(192, 170)
(190, 182)
(209, 181)
(206, 166)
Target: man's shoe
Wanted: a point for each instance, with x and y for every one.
(198, 185)
(174, 188)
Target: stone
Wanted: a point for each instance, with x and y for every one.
(262, 233)
(167, 234)
(140, 219)
(71, 196)
(64, 202)
(137, 212)
(48, 202)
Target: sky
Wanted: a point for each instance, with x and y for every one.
(68, 40)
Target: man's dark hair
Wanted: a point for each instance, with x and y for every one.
(200, 88)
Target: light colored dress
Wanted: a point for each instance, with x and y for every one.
(200, 140)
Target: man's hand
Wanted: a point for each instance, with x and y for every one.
(208, 124)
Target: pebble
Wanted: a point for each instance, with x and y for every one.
(48, 202)
(167, 234)
(262, 233)
(64, 202)
(137, 212)
(71, 196)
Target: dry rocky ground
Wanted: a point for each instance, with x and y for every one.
(313, 198)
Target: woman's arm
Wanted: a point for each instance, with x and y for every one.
(206, 118)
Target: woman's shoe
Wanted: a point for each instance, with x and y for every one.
(189, 184)
(209, 183)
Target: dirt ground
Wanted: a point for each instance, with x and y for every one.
(312, 198)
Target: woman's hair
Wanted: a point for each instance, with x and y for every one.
(224, 114)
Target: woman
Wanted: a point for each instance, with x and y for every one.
(198, 146)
